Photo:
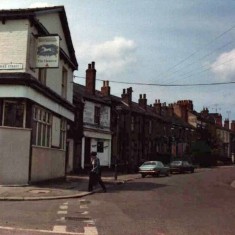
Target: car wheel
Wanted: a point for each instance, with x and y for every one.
(192, 171)
(143, 175)
(167, 173)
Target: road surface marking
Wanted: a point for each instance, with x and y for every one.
(85, 213)
(62, 212)
(63, 207)
(38, 230)
(59, 229)
(62, 219)
(90, 231)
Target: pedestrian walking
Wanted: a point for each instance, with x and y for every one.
(95, 174)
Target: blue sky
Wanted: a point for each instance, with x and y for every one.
(158, 42)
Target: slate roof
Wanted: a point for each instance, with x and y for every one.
(80, 93)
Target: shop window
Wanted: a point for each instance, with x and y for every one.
(100, 147)
(14, 114)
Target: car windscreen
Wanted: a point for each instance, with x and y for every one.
(176, 163)
(149, 164)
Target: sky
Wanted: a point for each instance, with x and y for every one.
(146, 43)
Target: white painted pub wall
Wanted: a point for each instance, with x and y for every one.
(14, 156)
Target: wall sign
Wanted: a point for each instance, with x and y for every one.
(11, 66)
(47, 52)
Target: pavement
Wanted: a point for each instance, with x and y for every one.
(73, 186)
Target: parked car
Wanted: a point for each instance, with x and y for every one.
(154, 168)
(181, 167)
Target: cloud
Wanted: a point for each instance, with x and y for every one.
(112, 57)
(39, 4)
(224, 66)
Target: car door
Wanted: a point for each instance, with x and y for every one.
(161, 168)
(186, 166)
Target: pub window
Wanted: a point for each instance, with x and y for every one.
(97, 115)
(41, 127)
(14, 114)
(63, 129)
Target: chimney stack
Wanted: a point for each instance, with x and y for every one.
(170, 110)
(105, 89)
(91, 78)
(182, 107)
(143, 101)
(233, 125)
(226, 123)
(157, 107)
(127, 95)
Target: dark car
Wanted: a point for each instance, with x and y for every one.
(154, 168)
(181, 167)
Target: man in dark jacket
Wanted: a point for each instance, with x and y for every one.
(95, 175)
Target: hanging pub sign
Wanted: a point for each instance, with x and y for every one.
(47, 52)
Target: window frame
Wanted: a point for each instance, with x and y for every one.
(63, 133)
(97, 115)
(43, 127)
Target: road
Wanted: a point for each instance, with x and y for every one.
(200, 203)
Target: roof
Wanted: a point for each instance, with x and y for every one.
(79, 93)
(32, 13)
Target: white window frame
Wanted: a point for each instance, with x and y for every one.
(63, 133)
(43, 120)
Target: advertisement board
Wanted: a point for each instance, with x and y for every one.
(47, 52)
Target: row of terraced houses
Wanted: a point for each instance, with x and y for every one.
(49, 124)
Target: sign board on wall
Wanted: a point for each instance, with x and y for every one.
(47, 53)
(11, 66)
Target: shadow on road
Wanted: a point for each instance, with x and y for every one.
(137, 186)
